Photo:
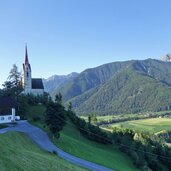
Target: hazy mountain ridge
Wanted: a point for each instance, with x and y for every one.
(90, 78)
(120, 87)
(53, 82)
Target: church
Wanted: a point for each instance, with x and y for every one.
(30, 85)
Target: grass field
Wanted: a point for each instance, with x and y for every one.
(73, 142)
(36, 111)
(152, 125)
(19, 153)
(130, 116)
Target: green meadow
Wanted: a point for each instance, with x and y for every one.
(152, 125)
(74, 143)
(20, 153)
(131, 116)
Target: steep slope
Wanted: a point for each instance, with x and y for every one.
(127, 92)
(89, 79)
(121, 87)
(18, 152)
(73, 142)
(53, 82)
(159, 70)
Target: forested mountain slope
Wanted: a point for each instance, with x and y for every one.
(55, 81)
(120, 87)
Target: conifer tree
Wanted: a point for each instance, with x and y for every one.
(55, 117)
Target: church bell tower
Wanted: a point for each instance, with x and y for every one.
(27, 79)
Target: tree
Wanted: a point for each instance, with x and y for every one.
(23, 106)
(58, 98)
(13, 87)
(69, 106)
(92, 118)
(1, 93)
(8, 89)
(55, 118)
(15, 76)
(89, 118)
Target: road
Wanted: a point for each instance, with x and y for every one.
(41, 138)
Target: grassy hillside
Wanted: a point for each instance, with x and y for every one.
(73, 142)
(36, 115)
(152, 125)
(19, 153)
(36, 111)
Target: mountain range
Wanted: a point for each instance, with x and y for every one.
(55, 81)
(120, 87)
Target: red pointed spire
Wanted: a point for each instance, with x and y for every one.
(26, 56)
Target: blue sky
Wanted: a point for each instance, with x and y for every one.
(63, 36)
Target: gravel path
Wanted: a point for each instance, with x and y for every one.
(41, 138)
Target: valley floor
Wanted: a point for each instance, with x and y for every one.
(152, 125)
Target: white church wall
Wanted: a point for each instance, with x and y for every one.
(37, 91)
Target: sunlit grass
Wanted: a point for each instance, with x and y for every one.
(18, 152)
(73, 142)
(152, 125)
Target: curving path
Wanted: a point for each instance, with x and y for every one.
(41, 138)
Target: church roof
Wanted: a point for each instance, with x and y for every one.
(26, 61)
(26, 56)
(37, 83)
